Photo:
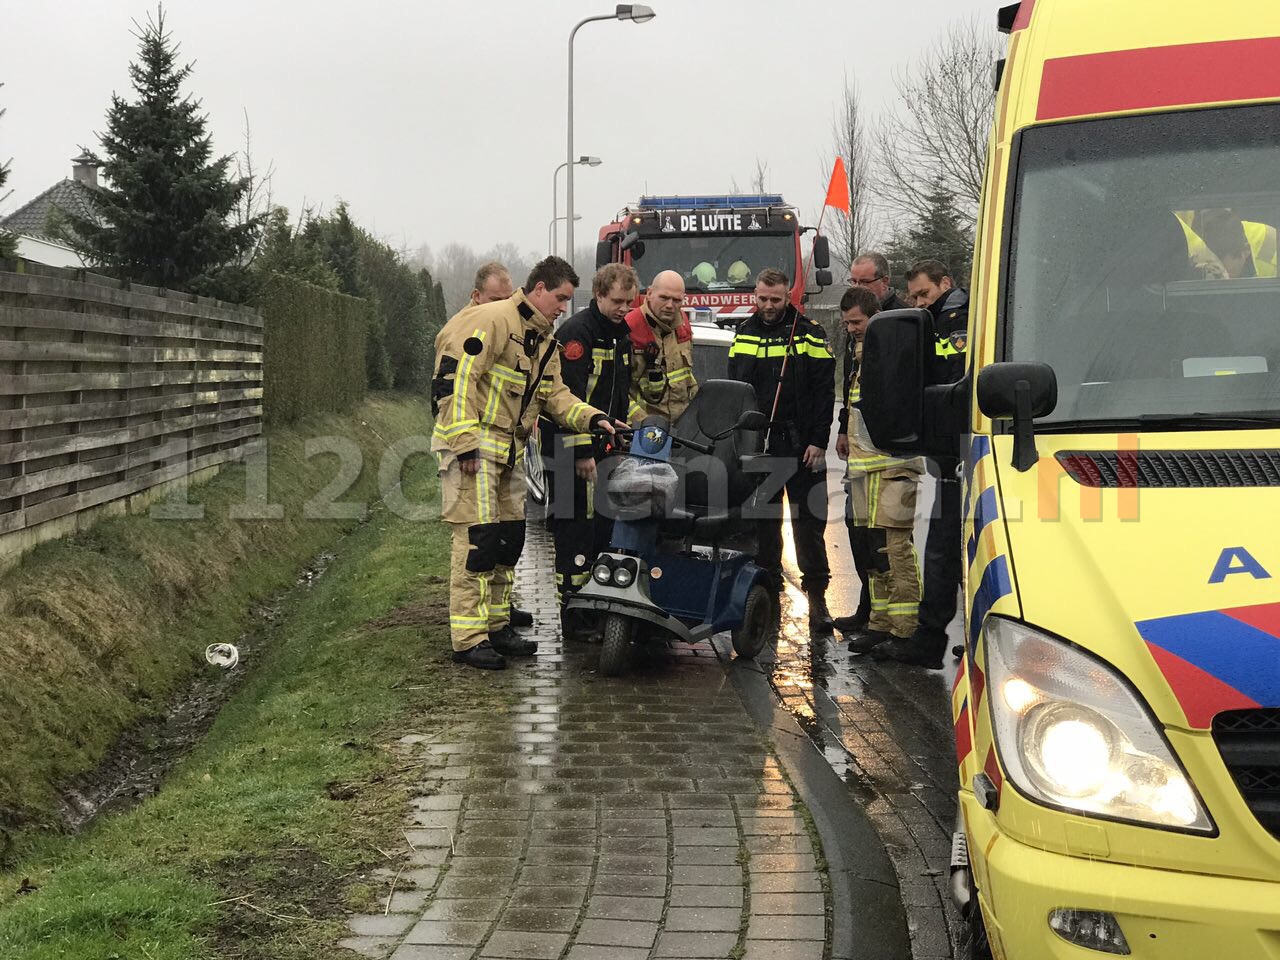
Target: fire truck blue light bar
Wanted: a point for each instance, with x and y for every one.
(712, 203)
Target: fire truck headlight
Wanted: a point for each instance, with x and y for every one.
(1072, 734)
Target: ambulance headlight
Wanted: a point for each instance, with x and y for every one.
(1072, 734)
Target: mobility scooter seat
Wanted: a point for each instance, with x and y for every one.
(715, 486)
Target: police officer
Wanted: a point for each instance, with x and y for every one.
(930, 287)
(497, 368)
(805, 393)
(662, 381)
(596, 366)
(871, 272)
(881, 507)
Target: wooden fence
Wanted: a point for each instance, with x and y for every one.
(110, 389)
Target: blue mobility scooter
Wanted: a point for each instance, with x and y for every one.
(679, 564)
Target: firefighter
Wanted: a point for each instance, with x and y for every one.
(930, 287)
(882, 505)
(595, 364)
(492, 283)
(870, 271)
(805, 394)
(497, 368)
(662, 381)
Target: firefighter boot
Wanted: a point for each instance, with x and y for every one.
(481, 656)
(509, 643)
(521, 618)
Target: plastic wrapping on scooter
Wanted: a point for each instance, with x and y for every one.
(639, 488)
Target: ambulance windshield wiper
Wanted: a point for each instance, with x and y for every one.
(1156, 422)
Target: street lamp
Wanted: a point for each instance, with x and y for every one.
(551, 237)
(636, 13)
(555, 186)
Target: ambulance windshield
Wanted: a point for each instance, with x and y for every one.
(1143, 264)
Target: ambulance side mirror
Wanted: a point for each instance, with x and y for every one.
(1020, 392)
(893, 379)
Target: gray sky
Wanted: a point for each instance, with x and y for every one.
(442, 120)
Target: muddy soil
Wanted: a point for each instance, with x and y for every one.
(137, 764)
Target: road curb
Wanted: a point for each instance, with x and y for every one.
(868, 919)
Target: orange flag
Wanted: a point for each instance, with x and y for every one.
(838, 190)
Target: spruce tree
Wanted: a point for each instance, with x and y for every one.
(164, 219)
(938, 235)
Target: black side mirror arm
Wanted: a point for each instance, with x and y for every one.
(1025, 454)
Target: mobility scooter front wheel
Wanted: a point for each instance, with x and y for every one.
(758, 621)
(615, 653)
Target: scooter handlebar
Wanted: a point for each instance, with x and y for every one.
(706, 448)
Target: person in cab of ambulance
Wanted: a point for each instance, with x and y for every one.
(595, 364)
(497, 368)
(662, 381)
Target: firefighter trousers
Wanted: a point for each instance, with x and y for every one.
(880, 519)
(579, 533)
(485, 513)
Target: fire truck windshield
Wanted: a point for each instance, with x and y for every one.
(717, 262)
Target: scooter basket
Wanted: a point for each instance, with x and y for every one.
(641, 488)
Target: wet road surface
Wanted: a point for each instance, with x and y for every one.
(646, 817)
(885, 728)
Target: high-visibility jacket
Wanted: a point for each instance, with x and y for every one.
(662, 380)
(1260, 237)
(497, 368)
(806, 401)
(863, 456)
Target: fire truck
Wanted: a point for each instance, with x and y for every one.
(718, 244)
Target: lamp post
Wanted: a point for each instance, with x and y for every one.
(636, 13)
(551, 236)
(555, 186)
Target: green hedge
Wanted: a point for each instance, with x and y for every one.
(314, 352)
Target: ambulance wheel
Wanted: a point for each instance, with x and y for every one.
(973, 942)
(615, 653)
(758, 622)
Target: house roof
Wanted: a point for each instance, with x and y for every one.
(32, 219)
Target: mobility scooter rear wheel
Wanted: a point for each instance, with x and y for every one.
(615, 654)
(758, 621)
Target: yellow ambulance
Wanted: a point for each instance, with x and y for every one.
(1117, 709)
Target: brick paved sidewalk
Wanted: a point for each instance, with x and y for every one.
(601, 819)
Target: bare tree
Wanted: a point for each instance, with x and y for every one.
(758, 178)
(939, 136)
(255, 204)
(853, 232)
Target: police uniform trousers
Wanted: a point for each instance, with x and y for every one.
(942, 553)
(485, 512)
(806, 493)
(881, 515)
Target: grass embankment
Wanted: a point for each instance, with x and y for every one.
(294, 789)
